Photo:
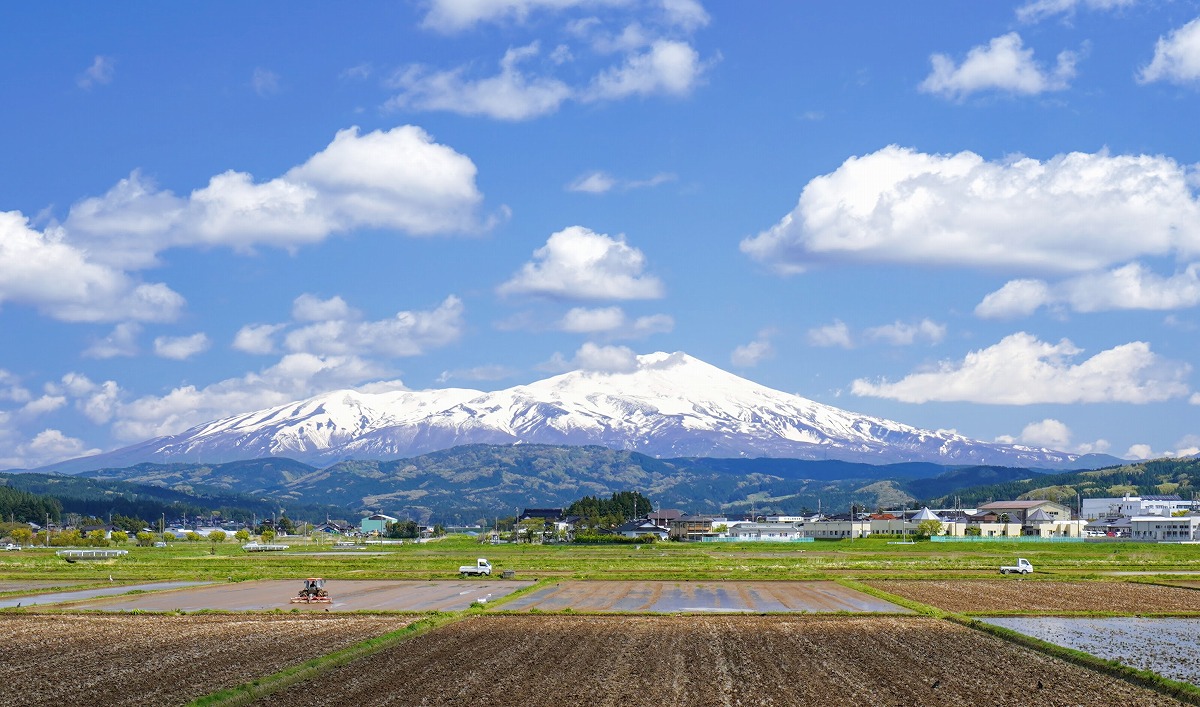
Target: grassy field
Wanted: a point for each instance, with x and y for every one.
(857, 559)
(1078, 571)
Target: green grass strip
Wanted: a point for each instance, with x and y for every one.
(1182, 691)
(914, 606)
(246, 693)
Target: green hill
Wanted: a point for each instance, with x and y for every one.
(1160, 476)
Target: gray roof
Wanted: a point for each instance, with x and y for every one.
(1039, 516)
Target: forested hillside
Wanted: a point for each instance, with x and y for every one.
(1161, 476)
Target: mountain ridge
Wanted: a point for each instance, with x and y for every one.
(668, 405)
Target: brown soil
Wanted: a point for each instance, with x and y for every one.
(1013, 594)
(160, 660)
(348, 595)
(709, 660)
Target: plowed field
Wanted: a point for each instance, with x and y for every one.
(160, 660)
(1000, 595)
(709, 660)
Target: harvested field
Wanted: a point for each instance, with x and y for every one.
(709, 660)
(1003, 595)
(160, 660)
(694, 597)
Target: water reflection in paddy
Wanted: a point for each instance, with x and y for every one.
(1165, 645)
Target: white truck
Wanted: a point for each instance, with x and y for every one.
(1023, 566)
(481, 567)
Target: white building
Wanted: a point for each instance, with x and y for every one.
(1165, 529)
(1131, 506)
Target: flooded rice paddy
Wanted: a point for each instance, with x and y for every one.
(1165, 645)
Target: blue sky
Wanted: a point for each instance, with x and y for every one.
(971, 216)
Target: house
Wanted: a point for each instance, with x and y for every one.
(375, 524)
(1019, 511)
(665, 516)
(333, 527)
(767, 531)
(550, 515)
(642, 526)
(689, 527)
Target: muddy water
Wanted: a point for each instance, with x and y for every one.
(1166, 646)
(76, 595)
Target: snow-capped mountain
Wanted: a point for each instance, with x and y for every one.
(671, 405)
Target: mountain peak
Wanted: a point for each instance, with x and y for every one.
(665, 404)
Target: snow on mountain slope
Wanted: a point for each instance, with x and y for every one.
(671, 405)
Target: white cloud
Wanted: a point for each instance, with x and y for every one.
(121, 341)
(1003, 65)
(257, 338)
(1021, 370)
(593, 183)
(1129, 287)
(310, 308)
(649, 39)
(181, 348)
(905, 334)
(11, 388)
(1072, 213)
(408, 333)
(612, 323)
(753, 353)
(1176, 57)
(598, 182)
(581, 320)
(509, 95)
(689, 15)
(835, 334)
(264, 82)
(398, 179)
(1047, 433)
(1052, 434)
(294, 377)
(1140, 451)
(668, 67)
(100, 403)
(1038, 10)
(577, 263)
(1195, 399)
(49, 446)
(65, 282)
(99, 73)
(457, 15)
(606, 359)
(43, 405)
(1188, 446)
(1016, 299)
(97, 401)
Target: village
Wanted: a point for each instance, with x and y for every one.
(1160, 518)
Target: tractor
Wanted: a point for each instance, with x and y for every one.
(313, 592)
